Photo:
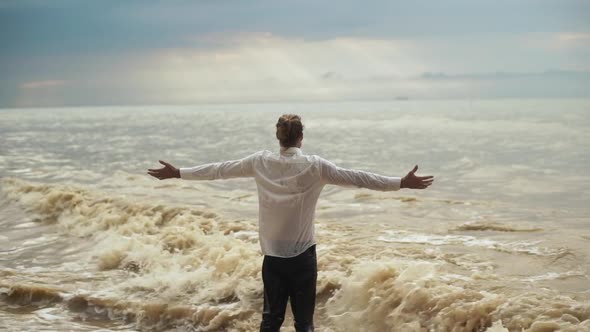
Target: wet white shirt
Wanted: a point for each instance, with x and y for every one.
(289, 184)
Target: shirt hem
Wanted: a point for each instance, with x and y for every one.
(302, 251)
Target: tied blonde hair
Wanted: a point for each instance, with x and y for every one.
(289, 129)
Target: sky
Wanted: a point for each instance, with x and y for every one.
(91, 52)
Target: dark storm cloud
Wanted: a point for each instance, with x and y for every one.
(58, 27)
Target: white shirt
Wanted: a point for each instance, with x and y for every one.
(289, 184)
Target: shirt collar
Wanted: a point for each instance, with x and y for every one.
(291, 151)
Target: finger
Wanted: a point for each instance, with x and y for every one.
(155, 169)
(165, 163)
(425, 177)
(414, 170)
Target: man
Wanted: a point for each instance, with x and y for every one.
(289, 184)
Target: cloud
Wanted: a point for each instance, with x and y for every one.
(571, 42)
(574, 37)
(66, 27)
(251, 67)
(41, 93)
(106, 52)
(548, 74)
(42, 84)
(546, 84)
(331, 75)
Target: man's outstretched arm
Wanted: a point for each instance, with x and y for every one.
(332, 174)
(221, 170)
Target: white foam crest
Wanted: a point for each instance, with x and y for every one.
(554, 276)
(497, 327)
(391, 295)
(543, 310)
(527, 247)
(402, 296)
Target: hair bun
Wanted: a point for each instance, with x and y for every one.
(289, 129)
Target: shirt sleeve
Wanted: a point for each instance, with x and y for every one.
(332, 174)
(221, 170)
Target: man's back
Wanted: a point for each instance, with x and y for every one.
(289, 184)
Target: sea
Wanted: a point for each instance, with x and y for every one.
(500, 241)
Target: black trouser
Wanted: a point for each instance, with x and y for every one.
(293, 278)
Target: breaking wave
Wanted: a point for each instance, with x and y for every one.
(163, 266)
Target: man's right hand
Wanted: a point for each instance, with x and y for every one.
(166, 172)
(412, 181)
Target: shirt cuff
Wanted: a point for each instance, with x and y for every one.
(185, 172)
(396, 183)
